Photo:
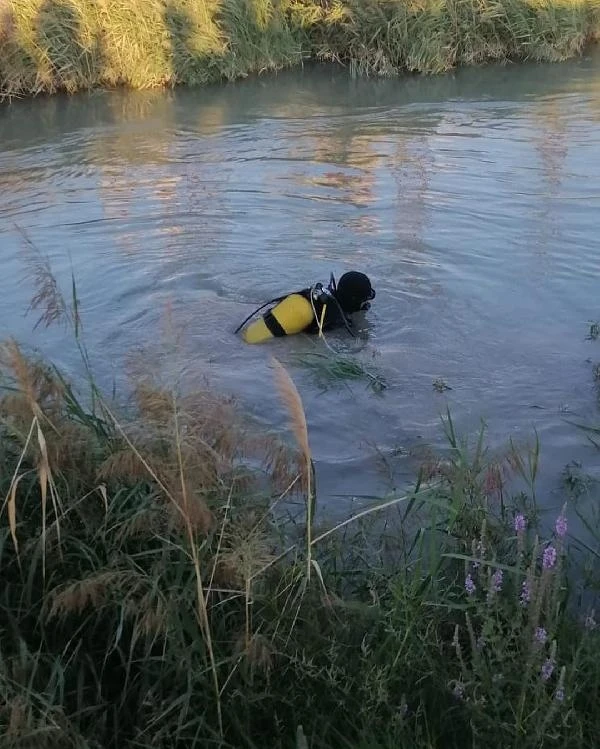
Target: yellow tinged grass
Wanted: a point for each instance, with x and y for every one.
(12, 512)
(12, 491)
(293, 403)
(52, 45)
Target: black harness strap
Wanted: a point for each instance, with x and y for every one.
(273, 325)
(258, 309)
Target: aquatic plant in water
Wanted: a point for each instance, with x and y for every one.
(332, 367)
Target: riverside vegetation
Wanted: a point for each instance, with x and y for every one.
(53, 45)
(156, 591)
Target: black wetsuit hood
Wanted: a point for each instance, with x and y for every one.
(353, 292)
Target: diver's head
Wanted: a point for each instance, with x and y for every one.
(353, 292)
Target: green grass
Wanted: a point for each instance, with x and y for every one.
(333, 367)
(52, 45)
(152, 596)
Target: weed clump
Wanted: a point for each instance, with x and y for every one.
(333, 368)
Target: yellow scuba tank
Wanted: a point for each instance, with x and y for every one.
(291, 315)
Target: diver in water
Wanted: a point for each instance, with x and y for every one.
(312, 309)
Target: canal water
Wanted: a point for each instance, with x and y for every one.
(471, 200)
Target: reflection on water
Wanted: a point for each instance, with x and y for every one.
(471, 200)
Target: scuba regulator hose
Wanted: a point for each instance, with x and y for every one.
(258, 309)
(329, 295)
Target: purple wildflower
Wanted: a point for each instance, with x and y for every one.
(525, 593)
(469, 584)
(520, 523)
(497, 581)
(540, 634)
(549, 559)
(547, 669)
(560, 694)
(561, 526)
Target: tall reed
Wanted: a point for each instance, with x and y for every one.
(54, 45)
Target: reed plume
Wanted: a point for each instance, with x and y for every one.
(293, 402)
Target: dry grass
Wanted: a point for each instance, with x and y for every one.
(180, 455)
(94, 591)
(52, 45)
(293, 403)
